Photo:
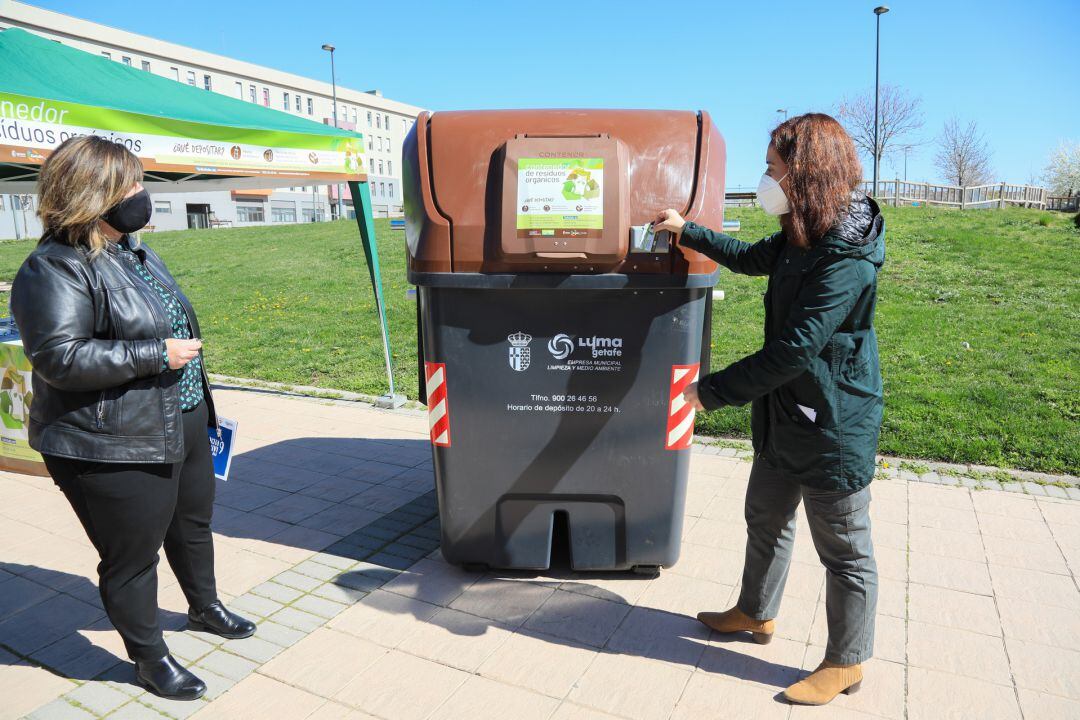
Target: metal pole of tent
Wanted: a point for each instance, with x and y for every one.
(361, 197)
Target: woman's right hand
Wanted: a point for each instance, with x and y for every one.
(181, 352)
(669, 220)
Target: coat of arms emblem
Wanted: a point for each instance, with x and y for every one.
(520, 355)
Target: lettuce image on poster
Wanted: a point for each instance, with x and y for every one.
(16, 395)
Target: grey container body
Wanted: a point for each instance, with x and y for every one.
(539, 423)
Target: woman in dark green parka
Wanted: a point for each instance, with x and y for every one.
(815, 389)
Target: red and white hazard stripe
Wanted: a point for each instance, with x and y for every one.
(438, 411)
(680, 423)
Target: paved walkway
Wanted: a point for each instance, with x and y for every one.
(327, 533)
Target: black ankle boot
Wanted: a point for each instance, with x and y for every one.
(169, 679)
(219, 621)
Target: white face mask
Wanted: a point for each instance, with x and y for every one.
(772, 197)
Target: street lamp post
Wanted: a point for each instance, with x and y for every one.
(333, 85)
(782, 110)
(878, 12)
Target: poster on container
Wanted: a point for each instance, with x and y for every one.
(560, 197)
(16, 394)
(221, 447)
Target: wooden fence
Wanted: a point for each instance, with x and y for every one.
(998, 195)
(1064, 203)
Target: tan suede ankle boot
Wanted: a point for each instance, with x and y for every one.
(825, 683)
(735, 620)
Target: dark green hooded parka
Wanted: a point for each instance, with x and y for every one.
(815, 384)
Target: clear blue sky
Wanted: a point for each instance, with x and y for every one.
(1010, 66)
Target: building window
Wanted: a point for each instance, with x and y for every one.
(266, 97)
(298, 103)
(207, 82)
(282, 211)
(372, 161)
(354, 116)
(380, 167)
(240, 90)
(146, 65)
(382, 189)
(378, 121)
(310, 107)
(386, 122)
(1, 202)
(285, 105)
(380, 143)
(370, 142)
(313, 213)
(391, 189)
(251, 93)
(163, 207)
(389, 167)
(191, 77)
(369, 118)
(126, 60)
(175, 74)
(404, 126)
(250, 212)
(106, 55)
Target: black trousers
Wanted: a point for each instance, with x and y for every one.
(128, 511)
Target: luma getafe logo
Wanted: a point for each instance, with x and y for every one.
(561, 346)
(520, 354)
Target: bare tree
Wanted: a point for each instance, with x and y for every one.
(963, 155)
(1063, 171)
(899, 114)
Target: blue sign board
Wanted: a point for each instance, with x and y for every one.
(221, 448)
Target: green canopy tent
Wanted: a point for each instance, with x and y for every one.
(187, 138)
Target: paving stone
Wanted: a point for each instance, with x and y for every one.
(255, 605)
(1032, 488)
(319, 606)
(228, 665)
(277, 633)
(1055, 491)
(178, 709)
(408, 552)
(391, 561)
(339, 593)
(304, 583)
(61, 709)
(187, 646)
(578, 617)
(366, 576)
(334, 561)
(298, 619)
(20, 593)
(75, 657)
(316, 570)
(277, 592)
(216, 685)
(138, 711)
(254, 648)
(46, 622)
(1012, 487)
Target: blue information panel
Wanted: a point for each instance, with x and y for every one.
(221, 448)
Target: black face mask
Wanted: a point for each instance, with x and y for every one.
(130, 214)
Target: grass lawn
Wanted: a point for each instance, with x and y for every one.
(977, 321)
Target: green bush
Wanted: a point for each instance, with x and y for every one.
(1044, 221)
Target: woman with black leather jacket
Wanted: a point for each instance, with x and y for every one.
(121, 400)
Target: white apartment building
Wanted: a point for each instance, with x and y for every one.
(383, 122)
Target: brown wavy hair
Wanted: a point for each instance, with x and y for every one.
(79, 182)
(823, 171)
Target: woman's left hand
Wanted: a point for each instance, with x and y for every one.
(691, 396)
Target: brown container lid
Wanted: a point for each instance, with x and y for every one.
(457, 206)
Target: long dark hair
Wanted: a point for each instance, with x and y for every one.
(823, 170)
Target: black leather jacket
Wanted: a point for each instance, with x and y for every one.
(93, 332)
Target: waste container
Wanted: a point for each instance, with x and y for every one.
(555, 334)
